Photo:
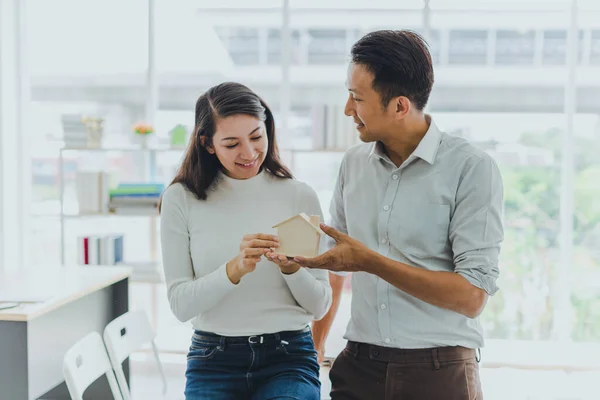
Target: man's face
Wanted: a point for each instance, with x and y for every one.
(364, 105)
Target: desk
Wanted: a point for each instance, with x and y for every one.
(35, 336)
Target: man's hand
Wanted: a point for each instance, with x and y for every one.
(347, 255)
(285, 265)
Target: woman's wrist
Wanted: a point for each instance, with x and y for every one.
(233, 272)
(288, 270)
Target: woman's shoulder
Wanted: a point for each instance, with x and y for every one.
(176, 193)
(299, 187)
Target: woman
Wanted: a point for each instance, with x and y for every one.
(250, 313)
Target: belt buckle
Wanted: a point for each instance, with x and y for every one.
(255, 339)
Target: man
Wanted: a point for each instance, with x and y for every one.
(417, 217)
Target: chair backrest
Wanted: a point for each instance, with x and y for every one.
(124, 335)
(85, 362)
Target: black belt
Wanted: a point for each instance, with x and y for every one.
(406, 356)
(203, 336)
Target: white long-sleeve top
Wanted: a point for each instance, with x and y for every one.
(199, 237)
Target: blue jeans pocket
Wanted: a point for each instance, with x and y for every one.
(202, 350)
(301, 346)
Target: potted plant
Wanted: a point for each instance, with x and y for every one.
(142, 132)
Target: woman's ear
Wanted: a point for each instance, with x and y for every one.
(210, 149)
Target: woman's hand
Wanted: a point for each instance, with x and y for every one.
(286, 265)
(252, 248)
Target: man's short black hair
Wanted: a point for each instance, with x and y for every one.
(400, 63)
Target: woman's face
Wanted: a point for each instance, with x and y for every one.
(240, 143)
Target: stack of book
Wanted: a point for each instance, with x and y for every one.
(74, 129)
(135, 198)
(100, 250)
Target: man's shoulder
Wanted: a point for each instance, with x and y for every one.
(462, 148)
(359, 151)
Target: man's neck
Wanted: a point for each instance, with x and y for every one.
(402, 144)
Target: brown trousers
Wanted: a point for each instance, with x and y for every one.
(368, 372)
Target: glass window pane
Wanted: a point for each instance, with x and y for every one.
(327, 46)
(468, 47)
(595, 48)
(241, 43)
(274, 47)
(514, 47)
(555, 47)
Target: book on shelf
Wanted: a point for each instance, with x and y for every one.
(100, 249)
(92, 191)
(95, 195)
(135, 198)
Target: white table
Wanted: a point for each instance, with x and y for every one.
(71, 302)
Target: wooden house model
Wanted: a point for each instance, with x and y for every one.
(299, 236)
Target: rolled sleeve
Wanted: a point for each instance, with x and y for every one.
(476, 230)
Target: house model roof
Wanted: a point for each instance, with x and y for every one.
(304, 218)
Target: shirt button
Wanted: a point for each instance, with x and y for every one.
(388, 340)
(383, 306)
(394, 177)
(386, 208)
(384, 241)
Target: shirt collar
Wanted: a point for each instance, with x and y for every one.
(429, 145)
(426, 149)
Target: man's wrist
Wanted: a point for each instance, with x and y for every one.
(365, 259)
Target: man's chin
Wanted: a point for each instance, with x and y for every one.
(365, 138)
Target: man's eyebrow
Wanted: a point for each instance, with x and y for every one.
(234, 138)
(354, 91)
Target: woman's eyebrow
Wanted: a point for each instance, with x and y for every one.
(234, 138)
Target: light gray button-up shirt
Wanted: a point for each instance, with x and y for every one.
(440, 210)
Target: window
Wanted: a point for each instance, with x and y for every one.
(515, 48)
(527, 148)
(327, 46)
(274, 47)
(434, 42)
(595, 48)
(468, 47)
(242, 44)
(555, 47)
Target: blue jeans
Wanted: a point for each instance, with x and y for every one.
(272, 366)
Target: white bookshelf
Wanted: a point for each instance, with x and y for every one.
(142, 213)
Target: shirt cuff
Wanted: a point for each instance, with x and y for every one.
(480, 278)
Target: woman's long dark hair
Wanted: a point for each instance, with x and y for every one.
(199, 168)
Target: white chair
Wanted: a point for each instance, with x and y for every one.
(124, 335)
(85, 362)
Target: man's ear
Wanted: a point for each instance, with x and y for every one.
(401, 106)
